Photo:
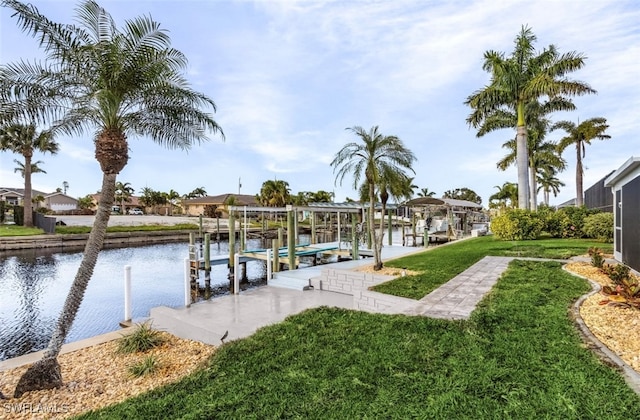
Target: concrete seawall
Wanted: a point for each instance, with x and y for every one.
(79, 240)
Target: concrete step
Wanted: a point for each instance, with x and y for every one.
(286, 282)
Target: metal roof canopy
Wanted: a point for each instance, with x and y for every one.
(447, 202)
(320, 207)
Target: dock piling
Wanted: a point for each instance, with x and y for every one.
(127, 293)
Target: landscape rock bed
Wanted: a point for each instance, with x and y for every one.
(97, 376)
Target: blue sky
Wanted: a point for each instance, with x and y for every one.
(288, 78)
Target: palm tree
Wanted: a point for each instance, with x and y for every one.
(198, 192)
(517, 81)
(117, 83)
(541, 154)
(274, 193)
(379, 160)
(424, 192)
(25, 140)
(35, 169)
(507, 192)
(173, 197)
(65, 187)
(580, 135)
(124, 192)
(549, 183)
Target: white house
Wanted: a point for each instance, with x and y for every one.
(625, 187)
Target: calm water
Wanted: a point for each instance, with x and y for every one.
(35, 283)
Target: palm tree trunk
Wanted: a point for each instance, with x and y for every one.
(45, 374)
(546, 197)
(28, 209)
(533, 195)
(522, 159)
(579, 172)
(377, 258)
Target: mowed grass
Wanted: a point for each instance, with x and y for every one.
(15, 230)
(519, 356)
(439, 265)
(64, 230)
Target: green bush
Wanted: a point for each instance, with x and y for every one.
(575, 216)
(516, 225)
(599, 226)
(18, 215)
(556, 223)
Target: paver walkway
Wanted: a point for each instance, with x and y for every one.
(458, 297)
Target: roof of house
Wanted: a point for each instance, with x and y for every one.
(631, 165)
(240, 200)
(20, 191)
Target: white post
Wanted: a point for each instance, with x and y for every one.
(268, 265)
(339, 239)
(236, 274)
(245, 228)
(187, 283)
(127, 293)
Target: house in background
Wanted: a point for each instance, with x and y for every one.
(625, 188)
(599, 196)
(12, 196)
(195, 206)
(60, 202)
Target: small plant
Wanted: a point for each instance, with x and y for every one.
(617, 273)
(597, 257)
(146, 366)
(142, 339)
(625, 291)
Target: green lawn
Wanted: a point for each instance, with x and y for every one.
(14, 230)
(142, 228)
(518, 357)
(439, 265)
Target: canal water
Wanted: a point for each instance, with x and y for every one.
(35, 283)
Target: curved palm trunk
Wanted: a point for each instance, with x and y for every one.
(377, 257)
(522, 159)
(45, 374)
(28, 208)
(579, 172)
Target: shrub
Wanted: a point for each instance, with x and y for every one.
(516, 225)
(597, 257)
(142, 339)
(575, 217)
(18, 215)
(617, 272)
(599, 226)
(555, 223)
(146, 366)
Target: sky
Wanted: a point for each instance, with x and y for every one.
(289, 77)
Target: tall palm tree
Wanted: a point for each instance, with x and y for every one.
(580, 135)
(549, 183)
(516, 81)
(380, 160)
(25, 140)
(35, 168)
(116, 83)
(542, 154)
(198, 192)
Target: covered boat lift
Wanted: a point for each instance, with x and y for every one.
(445, 219)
